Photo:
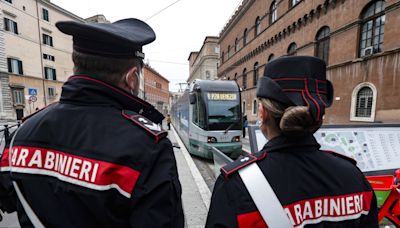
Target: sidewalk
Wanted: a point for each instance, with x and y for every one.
(195, 193)
(246, 144)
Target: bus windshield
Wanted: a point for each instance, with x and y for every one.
(223, 108)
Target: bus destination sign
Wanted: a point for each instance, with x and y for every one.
(222, 96)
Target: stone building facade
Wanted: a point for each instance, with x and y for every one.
(357, 38)
(35, 57)
(156, 89)
(203, 64)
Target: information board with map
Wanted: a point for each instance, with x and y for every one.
(374, 147)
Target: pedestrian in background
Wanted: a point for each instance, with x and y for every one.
(314, 188)
(98, 158)
(169, 122)
(244, 125)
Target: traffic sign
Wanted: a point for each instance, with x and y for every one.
(33, 98)
(32, 91)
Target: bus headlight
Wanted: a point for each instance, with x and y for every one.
(236, 139)
(211, 139)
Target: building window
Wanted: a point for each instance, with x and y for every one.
(45, 14)
(271, 57)
(158, 85)
(14, 66)
(236, 45)
(208, 75)
(48, 40)
(293, 3)
(18, 96)
(222, 57)
(292, 49)
(243, 107)
(322, 44)
(254, 108)
(372, 28)
(48, 57)
(363, 102)
(255, 73)
(51, 92)
(10, 25)
(244, 79)
(229, 51)
(257, 27)
(50, 73)
(273, 13)
(245, 37)
(235, 77)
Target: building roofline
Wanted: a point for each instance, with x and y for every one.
(155, 72)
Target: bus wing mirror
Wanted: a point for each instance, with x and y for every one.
(192, 98)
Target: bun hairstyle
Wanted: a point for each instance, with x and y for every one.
(292, 120)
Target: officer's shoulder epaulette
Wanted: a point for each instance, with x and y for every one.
(25, 118)
(241, 162)
(341, 156)
(152, 128)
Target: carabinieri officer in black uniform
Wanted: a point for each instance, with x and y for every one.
(98, 157)
(316, 188)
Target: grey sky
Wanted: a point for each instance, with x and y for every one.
(180, 29)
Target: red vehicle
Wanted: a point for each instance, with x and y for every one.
(387, 191)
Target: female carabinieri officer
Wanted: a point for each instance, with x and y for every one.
(313, 188)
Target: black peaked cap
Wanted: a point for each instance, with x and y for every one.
(297, 81)
(121, 39)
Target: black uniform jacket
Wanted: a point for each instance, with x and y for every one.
(316, 188)
(92, 160)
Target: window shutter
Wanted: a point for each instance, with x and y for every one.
(16, 27)
(9, 65)
(54, 74)
(6, 25)
(21, 71)
(45, 73)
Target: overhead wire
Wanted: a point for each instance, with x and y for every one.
(160, 11)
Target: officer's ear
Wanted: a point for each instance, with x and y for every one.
(131, 80)
(263, 114)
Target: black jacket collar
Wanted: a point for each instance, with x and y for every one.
(85, 90)
(285, 143)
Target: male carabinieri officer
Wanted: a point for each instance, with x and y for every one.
(98, 158)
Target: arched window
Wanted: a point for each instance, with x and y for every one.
(255, 107)
(372, 28)
(322, 44)
(292, 49)
(363, 102)
(273, 12)
(257, 27)
(293, 3)
(245, 37)
(271, 57)
(255, 73)
(229, 51)
(244, 79)
(236, 45)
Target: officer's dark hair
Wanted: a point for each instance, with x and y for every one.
(103, 68)
(291, 120)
